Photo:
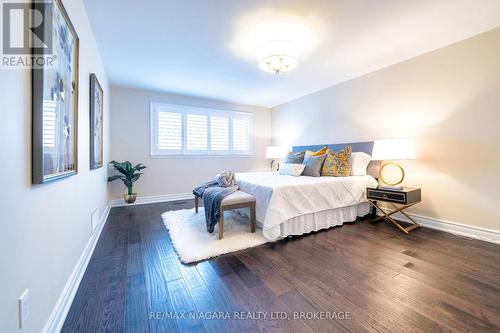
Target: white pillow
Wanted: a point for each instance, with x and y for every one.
(291, 169)
(359, 162)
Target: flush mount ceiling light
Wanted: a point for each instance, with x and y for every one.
(278, 56)
(276, 39)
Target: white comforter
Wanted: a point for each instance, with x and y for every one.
(280, 197)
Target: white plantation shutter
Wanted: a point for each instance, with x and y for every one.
(219, 133)
(49, 124)
(169, 131)
(196, 132)
(241, 134)
(188, 130)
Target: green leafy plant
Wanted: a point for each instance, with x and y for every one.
(129, 175)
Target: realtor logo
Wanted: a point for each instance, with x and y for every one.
(27, 34)
(23, 28)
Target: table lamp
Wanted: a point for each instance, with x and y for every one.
(275, 153)
(391, 150)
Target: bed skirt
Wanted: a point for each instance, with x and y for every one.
(322, 220)
(307, 223)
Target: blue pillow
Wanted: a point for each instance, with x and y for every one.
(313, 165)
(294, 158)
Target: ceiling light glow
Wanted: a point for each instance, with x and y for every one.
(276, 39)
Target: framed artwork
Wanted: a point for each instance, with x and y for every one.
(55, 101)
(96, 122)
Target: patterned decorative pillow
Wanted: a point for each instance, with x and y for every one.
(291, 169)
(337, 163)
(313, 165)
(320, 152)
(294, 158)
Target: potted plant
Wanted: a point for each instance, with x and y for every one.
(129, 175)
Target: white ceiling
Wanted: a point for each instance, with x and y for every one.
(208, 48)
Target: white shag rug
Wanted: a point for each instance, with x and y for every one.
(192, 242)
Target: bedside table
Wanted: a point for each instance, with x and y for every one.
(405, 197)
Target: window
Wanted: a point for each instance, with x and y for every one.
(219, 133)
(241, 132)
(188, 130)
(169, 134)
(196, 133)
(49, 124)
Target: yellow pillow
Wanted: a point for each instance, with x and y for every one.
(320, 152)
(337, 163)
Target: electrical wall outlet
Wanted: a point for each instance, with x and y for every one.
(24, 307)
(94, 219)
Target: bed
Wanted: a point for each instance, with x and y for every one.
(287, 205)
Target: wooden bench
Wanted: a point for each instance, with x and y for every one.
(235, 200)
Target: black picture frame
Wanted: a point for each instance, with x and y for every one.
(55, 151)
(96, 123)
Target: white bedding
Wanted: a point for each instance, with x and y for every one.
(281, 198)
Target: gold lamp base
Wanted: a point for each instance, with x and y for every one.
(275, 165)
(394, 185)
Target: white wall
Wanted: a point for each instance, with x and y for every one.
(44, 228)
(447, 100)
(130, 140)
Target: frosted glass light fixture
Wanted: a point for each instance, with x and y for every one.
(278, 57)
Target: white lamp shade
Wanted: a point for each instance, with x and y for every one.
(393, 149)
(276, 152)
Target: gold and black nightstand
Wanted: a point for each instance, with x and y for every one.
(405, 197)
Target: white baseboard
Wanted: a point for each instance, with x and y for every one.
(488, 235)
(152, 199)
(61, 309)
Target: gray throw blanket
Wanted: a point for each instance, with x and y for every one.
(213, 192)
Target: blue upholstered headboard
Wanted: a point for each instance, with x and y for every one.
(365, 147)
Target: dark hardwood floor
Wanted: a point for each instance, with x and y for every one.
(378, 278)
